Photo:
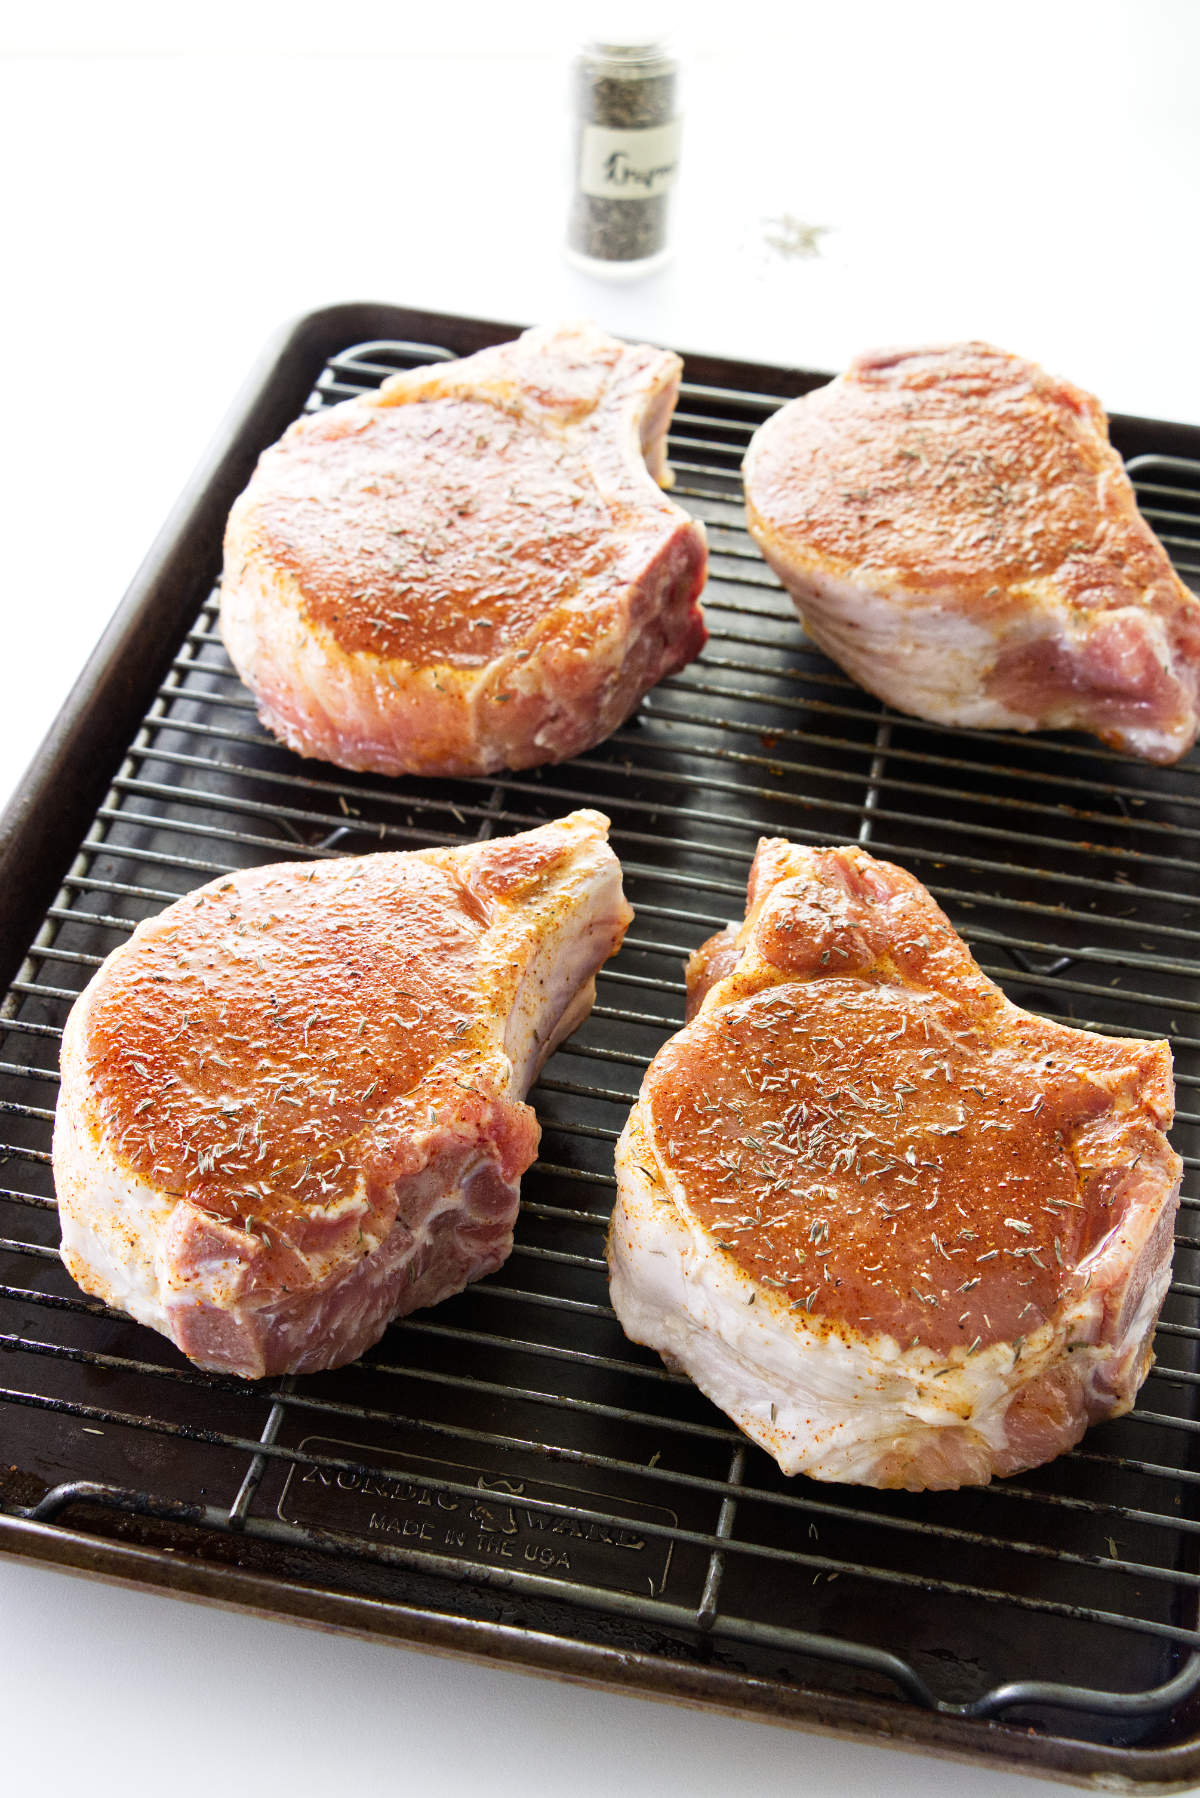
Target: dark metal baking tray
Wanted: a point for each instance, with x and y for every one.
(506, 1476)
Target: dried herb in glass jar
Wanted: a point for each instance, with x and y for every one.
(626, 156)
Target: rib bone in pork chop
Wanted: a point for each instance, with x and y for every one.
(959, 534)
(291, 1105)
(473, 568)
(903, 1232)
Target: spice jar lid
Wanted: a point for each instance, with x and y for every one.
(633, 39)
(629, 57)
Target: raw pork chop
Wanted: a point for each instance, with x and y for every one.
(291, 1105)
(904, 1233)
(960, 536)
(473, 568)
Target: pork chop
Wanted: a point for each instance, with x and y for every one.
(903, 1232)
(291, 1105)
(960, 536)
(473, 568)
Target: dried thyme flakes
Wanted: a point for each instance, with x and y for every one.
(792, 238)
(626, 153)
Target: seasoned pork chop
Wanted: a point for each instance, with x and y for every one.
(903, 1232)
(959, 534)
(473, 568)
(291, 1105)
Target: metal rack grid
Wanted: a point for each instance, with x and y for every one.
(509, 1456)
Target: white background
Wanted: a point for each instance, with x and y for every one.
(176, 188)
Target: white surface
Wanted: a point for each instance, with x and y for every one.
(177, 187)
(186, 1700)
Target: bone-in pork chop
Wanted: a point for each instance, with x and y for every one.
(473, 568)
(291, 1105)
(903, 1232)
(959, 534)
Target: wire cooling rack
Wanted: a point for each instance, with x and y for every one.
(507, 1474)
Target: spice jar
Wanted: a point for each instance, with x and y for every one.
(626, 155)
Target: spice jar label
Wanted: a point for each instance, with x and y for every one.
(628, 165)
